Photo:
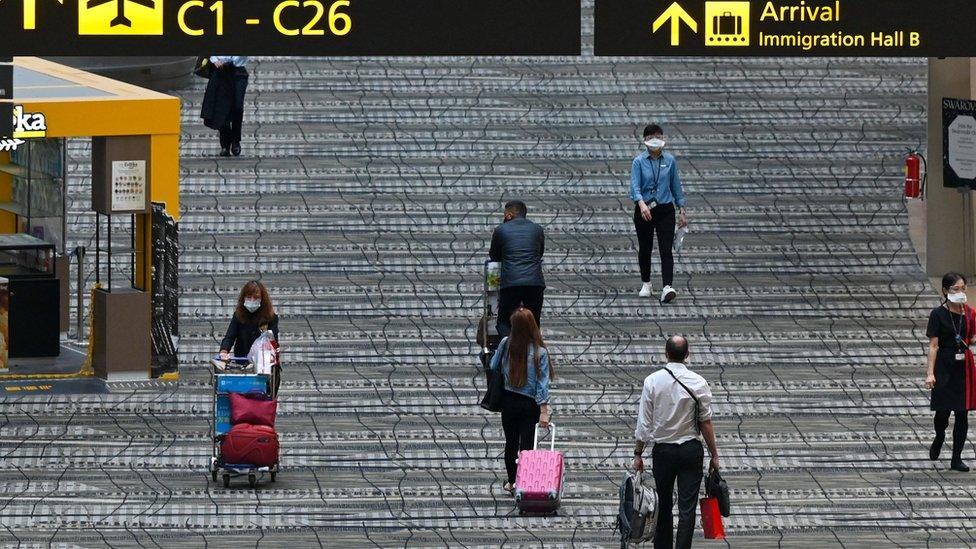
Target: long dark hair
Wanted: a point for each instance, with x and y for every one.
(948, 281)
(262, 316)
(525, 332)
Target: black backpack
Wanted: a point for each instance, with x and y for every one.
(637, 515)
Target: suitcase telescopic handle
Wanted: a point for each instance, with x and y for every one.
(552, 441)
(232, 358)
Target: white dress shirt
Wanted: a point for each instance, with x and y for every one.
(667, 411)
(236, 60)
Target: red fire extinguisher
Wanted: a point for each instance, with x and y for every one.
(916, 172)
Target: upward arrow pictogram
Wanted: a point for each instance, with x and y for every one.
(675, 14)
(30, 13)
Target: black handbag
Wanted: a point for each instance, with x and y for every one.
(716, 487)
(203, 68)
(495, 392)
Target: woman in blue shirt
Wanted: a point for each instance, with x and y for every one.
(526, 400)
(655, 188)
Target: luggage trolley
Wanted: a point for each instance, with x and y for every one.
(488, 337)
(236, 376)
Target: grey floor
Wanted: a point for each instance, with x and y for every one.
(365, 199)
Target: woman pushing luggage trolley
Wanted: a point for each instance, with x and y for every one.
(244, 441)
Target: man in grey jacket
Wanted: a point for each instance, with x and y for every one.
(518, 244)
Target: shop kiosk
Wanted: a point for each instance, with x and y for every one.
(133, 184)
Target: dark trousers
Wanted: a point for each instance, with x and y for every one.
(277, 370)
(681, 462)
(959, 430)
(519, 416)
(662, 222)
(230, 132)
(508, 301)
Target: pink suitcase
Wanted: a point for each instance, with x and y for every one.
(539, 480)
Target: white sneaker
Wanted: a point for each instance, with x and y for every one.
(668, 294)
(646, 290)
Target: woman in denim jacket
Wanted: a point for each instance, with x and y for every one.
(526, 400)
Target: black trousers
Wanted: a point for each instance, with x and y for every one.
(230, 132)
(508, 301)
(519, 416)
(959, 430)
(662, 222)
(681, 462)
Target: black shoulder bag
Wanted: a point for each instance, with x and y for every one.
(496, 384)
(693, 397)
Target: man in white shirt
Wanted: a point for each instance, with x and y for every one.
(668, 421)
(223, 104)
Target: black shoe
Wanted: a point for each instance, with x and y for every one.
(958, 465)
(224, 151)
(236, 149)
(936, 448)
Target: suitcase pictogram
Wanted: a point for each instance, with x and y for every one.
(727, 24)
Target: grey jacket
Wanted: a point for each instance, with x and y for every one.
(519, 245)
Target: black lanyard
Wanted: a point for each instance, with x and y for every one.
(657, 176)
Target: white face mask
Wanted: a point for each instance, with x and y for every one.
(958, 298)
(655, 144)
(252, 304)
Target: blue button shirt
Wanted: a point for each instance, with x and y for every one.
(536, 389)
(656, 180)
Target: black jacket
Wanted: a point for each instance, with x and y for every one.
(519, 245)
(224, 95)
(241, 336)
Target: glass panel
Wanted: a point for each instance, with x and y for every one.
(27, 261)
(46, 158)
(43, 187)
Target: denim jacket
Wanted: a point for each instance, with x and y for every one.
(537, 389)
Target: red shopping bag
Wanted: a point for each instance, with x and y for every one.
(712, 519)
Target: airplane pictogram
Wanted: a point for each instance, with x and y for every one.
(120, 18)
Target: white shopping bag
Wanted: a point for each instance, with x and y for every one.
(262, 353)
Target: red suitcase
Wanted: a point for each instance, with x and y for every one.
(248, 444)
(539, 480)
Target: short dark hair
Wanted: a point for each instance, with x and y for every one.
(676, 348)
(652, 129)
(517, 207)
(950, 279)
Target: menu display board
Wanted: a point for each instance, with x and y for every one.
(121, 174)
(128, 185)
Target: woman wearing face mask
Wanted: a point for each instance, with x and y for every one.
(951, 369)
(655, 188)
(523, 359)
(253, 316)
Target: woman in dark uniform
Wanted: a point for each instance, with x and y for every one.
(951, 367)
(253, 316)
